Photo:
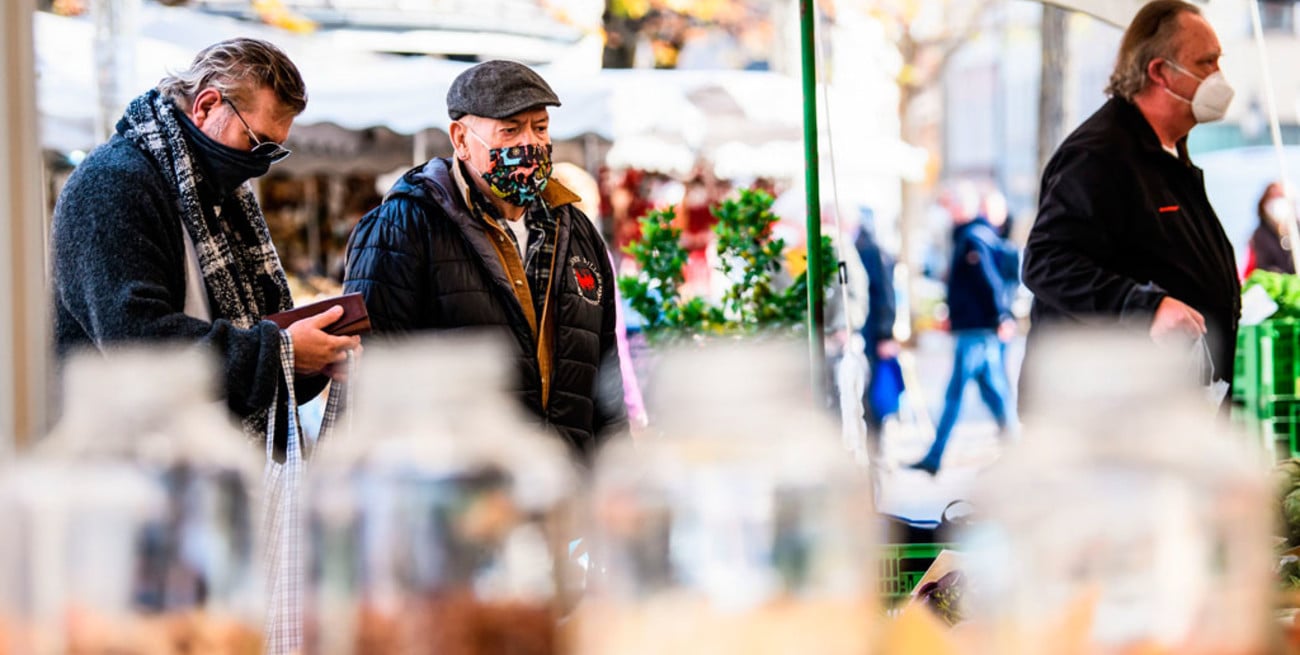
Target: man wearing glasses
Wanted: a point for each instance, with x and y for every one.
(157, 235)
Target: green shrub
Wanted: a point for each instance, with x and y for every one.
(756, 301)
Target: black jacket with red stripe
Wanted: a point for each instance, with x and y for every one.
(1122, 224)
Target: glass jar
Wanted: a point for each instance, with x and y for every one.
(1131, 519)
(441, 518)
(133, 518)
(743, 527)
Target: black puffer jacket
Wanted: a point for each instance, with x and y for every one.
(423, 261)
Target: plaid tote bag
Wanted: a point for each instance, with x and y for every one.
(283, 549)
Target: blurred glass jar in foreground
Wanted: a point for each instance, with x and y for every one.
(441, 518)
(1131, 519)
(743, 528)
(130, 528)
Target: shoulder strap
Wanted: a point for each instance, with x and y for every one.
(282, 536)
(339, 400)
(293, 441)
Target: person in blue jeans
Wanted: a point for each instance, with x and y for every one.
(980, 318)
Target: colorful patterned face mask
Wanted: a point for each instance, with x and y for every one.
(509, 177)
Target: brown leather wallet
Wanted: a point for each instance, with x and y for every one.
(355, 318)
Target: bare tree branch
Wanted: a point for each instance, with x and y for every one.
(965, 34)
(925, 59)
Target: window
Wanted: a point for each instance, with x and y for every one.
(1277, 15)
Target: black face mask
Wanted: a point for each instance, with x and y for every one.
(224, 167)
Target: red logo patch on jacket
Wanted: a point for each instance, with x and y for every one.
(587, 277)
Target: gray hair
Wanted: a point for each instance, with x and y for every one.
(237, 68)
(1151, 35)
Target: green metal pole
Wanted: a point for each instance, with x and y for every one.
(812, 180)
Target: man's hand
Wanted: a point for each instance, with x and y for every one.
(338, 372)
(316, 351)
(1007, 330)
(887, 349)
(1175, 317)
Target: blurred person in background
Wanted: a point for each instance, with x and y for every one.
(487, 239)
(1269, 248)
(157, 235)
(1125, 233)
(993, 206)
(877, 330)
(588, 190)
(701, 192)
(627, 199)
(980, 320)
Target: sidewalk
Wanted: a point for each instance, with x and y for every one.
(973, 447)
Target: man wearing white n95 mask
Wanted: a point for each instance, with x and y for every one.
(1125, 233)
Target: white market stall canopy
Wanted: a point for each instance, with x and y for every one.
(746, 122)
(351, 89)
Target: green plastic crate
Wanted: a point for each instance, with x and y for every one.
(903, 565)
(1267, 366)
(1246, 363)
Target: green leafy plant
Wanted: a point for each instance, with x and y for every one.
(655, 293)
(1282, 288)
(761, 296)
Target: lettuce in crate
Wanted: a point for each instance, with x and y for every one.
(1283, 288)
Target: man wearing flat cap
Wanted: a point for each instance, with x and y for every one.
(487, 239)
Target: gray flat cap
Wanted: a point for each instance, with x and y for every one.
(498, 89)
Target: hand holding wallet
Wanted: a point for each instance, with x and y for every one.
(355, 319)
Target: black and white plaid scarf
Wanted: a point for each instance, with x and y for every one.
(236, 256)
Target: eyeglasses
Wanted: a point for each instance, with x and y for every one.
(270, 149)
